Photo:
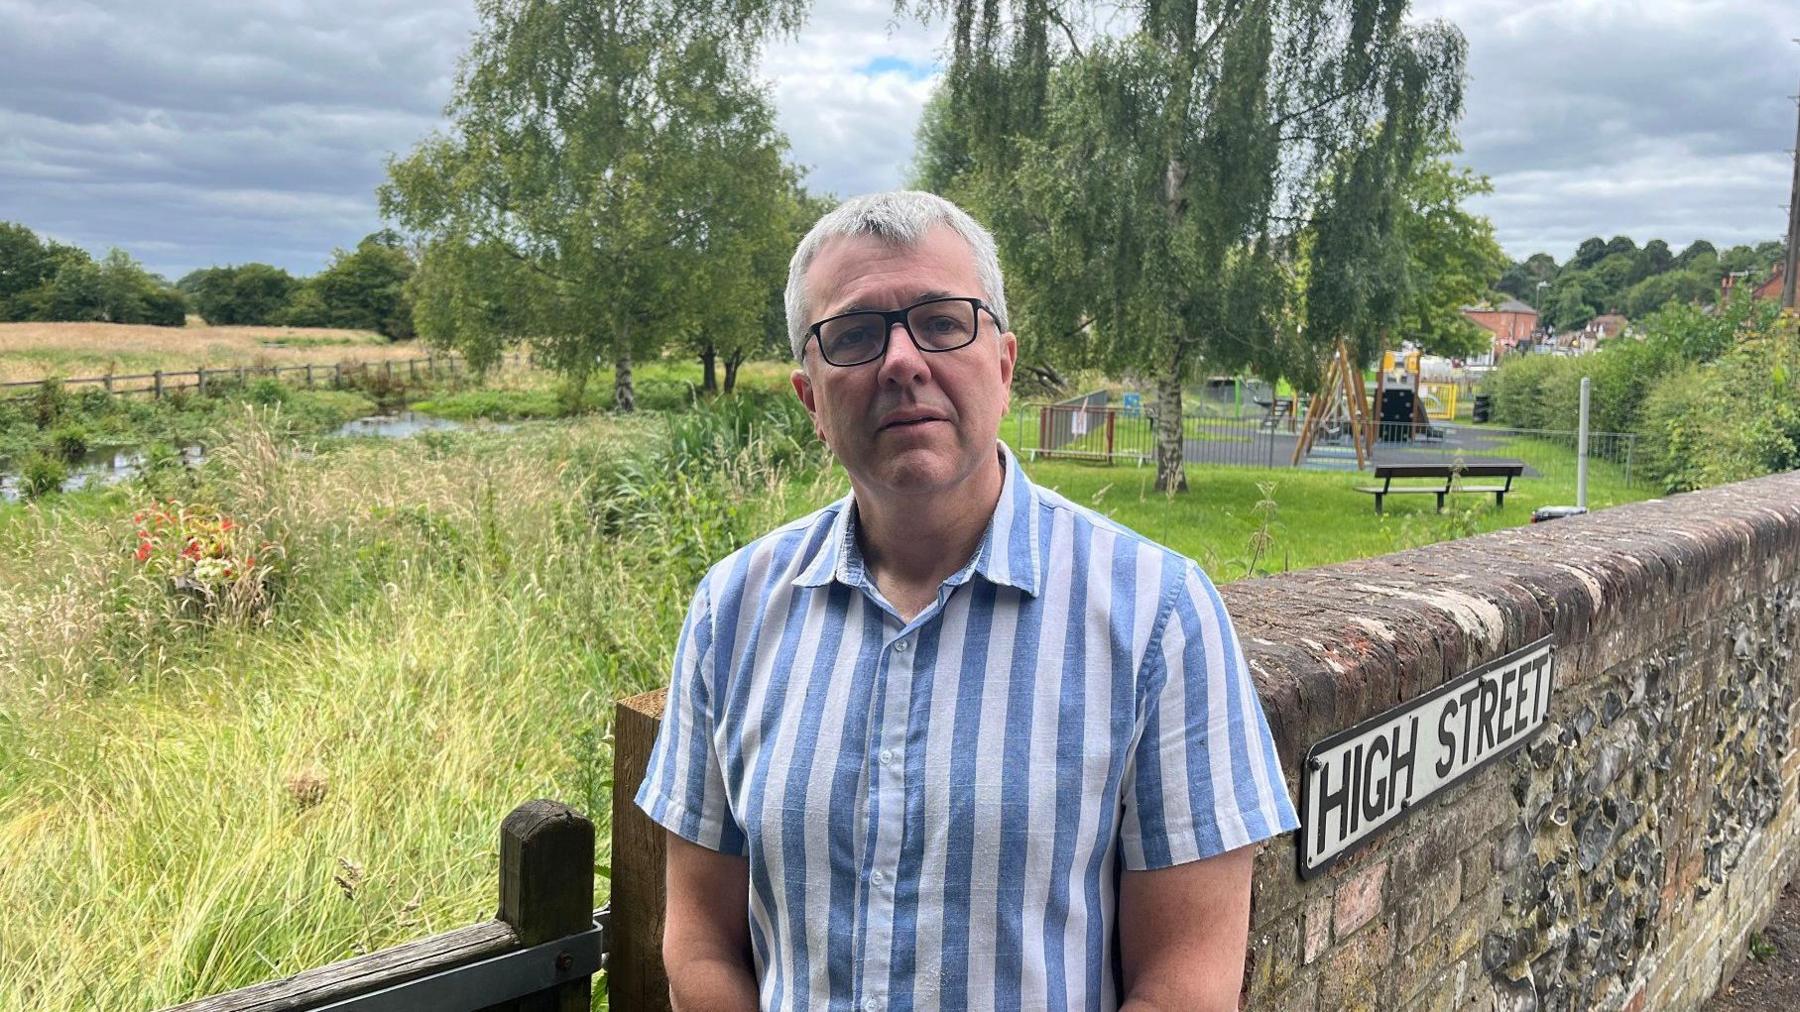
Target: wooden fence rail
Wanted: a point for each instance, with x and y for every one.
(160, 383)
(538, 955)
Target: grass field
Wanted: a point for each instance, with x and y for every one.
(195, 801)
(31, 351)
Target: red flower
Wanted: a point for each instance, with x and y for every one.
(143, 550)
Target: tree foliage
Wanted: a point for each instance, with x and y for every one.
(251, 294)
(603, 161)
(1453, 259)
(47, 280)
(1150, 180)
(1619, 277)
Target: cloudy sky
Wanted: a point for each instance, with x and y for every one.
(203, 132)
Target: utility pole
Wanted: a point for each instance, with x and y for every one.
(1791, 264)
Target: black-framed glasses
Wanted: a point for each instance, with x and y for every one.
(934, 325)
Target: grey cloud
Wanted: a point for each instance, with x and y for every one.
(1666, 120)
(206, 132)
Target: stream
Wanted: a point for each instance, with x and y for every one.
(108, 465)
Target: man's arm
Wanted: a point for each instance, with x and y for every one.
(706, 930)
(1182, 934)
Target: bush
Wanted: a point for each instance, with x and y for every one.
(42, 474)
(70, 442)
(1728, 420)
(267, 392)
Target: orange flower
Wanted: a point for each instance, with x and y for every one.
(143, 550)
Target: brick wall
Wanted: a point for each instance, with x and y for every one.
(1621, 858)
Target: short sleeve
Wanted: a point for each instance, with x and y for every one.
(684, 787)
(1205, 777)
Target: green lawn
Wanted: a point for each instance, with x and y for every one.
(1317, 517)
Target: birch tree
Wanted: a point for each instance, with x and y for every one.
(599, 152)
(1150, 168)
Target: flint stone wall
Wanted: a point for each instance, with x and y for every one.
(1620, 859)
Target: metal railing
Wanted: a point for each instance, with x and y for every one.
(1090, 430)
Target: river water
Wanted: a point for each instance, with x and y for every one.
(109, 465)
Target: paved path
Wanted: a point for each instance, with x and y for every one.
(1769, 979)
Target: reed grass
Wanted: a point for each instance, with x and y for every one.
(192, 805)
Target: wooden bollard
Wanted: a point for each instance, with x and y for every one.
(547, 891)
(634, 969)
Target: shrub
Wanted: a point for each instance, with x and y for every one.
(42, 474)
(49, 403)
(267, 392)
(1731, 419)
(70, 442)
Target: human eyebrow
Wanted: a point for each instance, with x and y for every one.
(860, 306)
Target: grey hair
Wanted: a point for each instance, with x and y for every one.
(899, 216)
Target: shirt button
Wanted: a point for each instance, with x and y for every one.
(887, 757)
(871, 1005)
(877, 877)
(900, 647)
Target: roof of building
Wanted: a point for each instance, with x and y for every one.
(1508, 306)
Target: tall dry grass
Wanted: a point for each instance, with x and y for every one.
(32, 351)
(189, 805)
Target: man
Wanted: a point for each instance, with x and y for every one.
(953, 741)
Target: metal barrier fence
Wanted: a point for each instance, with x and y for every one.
(1102, 433)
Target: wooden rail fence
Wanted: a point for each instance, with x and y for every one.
(161, 383)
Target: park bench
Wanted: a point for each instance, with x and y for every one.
(1443, 480)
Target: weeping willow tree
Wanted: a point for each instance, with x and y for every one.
(610, 167)
(1188, 185)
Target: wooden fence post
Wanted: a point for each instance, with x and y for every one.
(412, 369)
(156, 377)
(106, 381)
(547, 891)
(337, 375)
(634, 969)
(200, 381)
(309, 382)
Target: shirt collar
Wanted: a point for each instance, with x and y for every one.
(1008, 554)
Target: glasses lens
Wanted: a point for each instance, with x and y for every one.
(943, 325)
(854, 339)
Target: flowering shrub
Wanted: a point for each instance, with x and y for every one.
(208, 559)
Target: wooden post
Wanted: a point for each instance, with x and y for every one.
(156, 377)
(547, 890)
(240, 375)
(337, 375)
(200, 381)
(634, 969)
(387, 369)
(412, 369)
(106, 381)
(309, 382)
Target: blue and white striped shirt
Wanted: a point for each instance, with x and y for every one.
(935, 812)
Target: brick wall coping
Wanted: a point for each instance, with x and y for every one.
(1332, 646)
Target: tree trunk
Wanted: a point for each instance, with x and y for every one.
(709, 376)
(1171, 475)
(731, 367)
(624, 400)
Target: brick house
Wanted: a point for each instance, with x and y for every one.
(1510, 322)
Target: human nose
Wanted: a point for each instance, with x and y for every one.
(904, 363)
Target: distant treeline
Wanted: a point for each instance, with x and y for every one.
(361, 289)
(1621, 277)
